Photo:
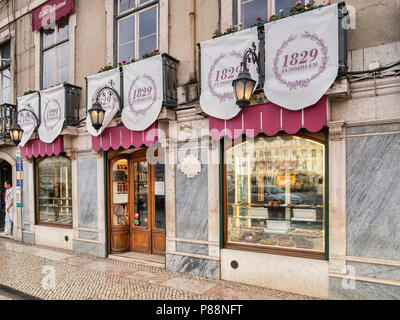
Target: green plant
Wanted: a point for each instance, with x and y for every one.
(231, 29)
(151, 54)
(29, 92)
(106, 68)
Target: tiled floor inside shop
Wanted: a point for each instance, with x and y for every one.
(77, 276)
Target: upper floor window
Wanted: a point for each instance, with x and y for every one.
(5, 81)
(250, 10)
(55, 54)
(137, 28)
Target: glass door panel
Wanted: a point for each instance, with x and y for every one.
(140, 203)
(159, 195)
(120, 193)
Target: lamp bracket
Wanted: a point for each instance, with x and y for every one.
(120, 106)
(30, 111)
(250, 56)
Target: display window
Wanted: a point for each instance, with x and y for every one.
(274, 193)
(54, 193)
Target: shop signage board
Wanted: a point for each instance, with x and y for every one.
(301, 60)
(26, 120)
(220, 64)
(50, 12)
(108, 99)
(143, 93)
(52, 113)
(19, 177)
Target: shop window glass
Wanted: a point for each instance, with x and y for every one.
(159, 195)
(137, 32)
(120, 189)
(278, 203)
(250, 10)
(54, 191)
(5, 76)
(55, 68)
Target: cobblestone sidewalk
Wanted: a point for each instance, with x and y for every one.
(80, 276)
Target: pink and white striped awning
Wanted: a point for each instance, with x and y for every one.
(116, 137)
(270, 119)
(35, 148)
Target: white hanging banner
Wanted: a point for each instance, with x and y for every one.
(107, 98)
(143, 93)
(301, 57)
(26, 120)
(52, 113)
(220, 65)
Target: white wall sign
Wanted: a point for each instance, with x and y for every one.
(220, 65)
(301, 57)
(143, 93)
(107, 99)
(52, 113)
(26, 120)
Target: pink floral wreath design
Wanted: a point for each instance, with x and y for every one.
(59, 114)
(153, 83)
(303, 83)
(226, 95)
(114, 103)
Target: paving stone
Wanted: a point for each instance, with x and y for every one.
(80, 276)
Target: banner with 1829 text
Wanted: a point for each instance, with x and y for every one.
(143, 93)
(301, 57)
(107, 98)
(52, 113)
(221, 64)
(26, 120)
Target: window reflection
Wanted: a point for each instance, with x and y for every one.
(250, 10)
(274, 193)
(55, 194)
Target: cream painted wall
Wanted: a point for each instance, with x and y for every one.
(297, 275)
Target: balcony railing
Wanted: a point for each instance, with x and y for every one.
(7, 118)
(261, 49)
(170, 79)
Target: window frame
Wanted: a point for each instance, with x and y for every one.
(36, 195)
(236, 6)
(4, 67)
(301, 253)
(134, 12)
(54, 46)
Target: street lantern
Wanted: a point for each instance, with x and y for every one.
(96, 113)
(16, 133)
(243, 87)
(244, 84)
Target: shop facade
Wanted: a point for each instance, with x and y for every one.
(268, 196)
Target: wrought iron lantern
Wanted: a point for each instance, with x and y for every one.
(244, 84)
(96, 113)
(16, 131)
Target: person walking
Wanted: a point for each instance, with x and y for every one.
(9, 201)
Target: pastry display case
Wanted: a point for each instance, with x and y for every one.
(270, 201)
(120, 193)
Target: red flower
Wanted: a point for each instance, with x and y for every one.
(298, 3)
(155, 50)
(328, 3)
(271, 17)
(259, 18)
(124, 61)
(308, 5)
(119, 63)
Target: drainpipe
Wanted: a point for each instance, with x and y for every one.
(192, 20)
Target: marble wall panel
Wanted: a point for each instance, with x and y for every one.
(191, 197)
(192, 247)
(362, 291)
(28, 237)
(392, 127)
(25, 193)
(194, 266)
(374, 270)
(87, 192)
(95, 249)
(88, 235)
(373, 193)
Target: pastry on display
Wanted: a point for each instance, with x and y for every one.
(269, 242)
(285, 243)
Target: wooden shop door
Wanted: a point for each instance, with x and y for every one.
(138, 205)
(147, 226)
